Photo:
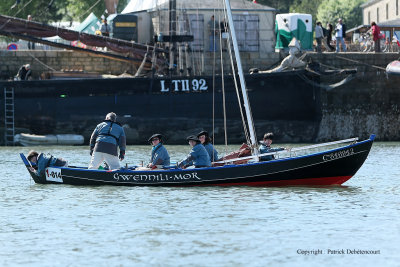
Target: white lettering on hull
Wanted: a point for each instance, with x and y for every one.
(156, 177)
(195, 85)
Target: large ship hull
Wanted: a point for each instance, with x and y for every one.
(273, 97)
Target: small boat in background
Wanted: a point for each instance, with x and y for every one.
(393, 68)
(50, 139)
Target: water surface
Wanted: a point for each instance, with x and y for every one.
(63, 225)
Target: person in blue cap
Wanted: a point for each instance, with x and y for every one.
(206, 142)
(198, 156)
(159, 154)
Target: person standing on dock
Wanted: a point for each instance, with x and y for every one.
(329, 30)
(340, 35)
(104, 142)
(376, 35)
(319, 34)
(31, 46)
(105, 28)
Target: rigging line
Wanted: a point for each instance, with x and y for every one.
(223, 82)
(90, 9)
(324, 65)
(362, 63)
(5, 23)
(38, 60)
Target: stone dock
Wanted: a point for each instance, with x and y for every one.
(367, 104)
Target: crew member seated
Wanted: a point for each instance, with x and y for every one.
(24, 73)
(159, 154)
(266, 147)
(198, 156)
(206, 142)
(41, 161)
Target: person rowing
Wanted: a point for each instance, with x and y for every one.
(198, 155)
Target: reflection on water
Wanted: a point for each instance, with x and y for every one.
(50, 225)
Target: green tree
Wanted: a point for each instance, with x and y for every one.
(349, 10)
(283, 6)
(55, 10)
(307, 7)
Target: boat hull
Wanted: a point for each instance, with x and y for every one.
(333, 167)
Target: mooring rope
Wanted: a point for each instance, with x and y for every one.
(360, 62)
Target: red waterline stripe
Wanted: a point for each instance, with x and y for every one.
(337, 180)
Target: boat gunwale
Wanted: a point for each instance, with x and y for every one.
(85, 169)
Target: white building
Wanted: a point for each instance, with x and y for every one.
(254, 23)
(380, 11)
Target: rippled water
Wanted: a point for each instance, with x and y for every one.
(62, 225)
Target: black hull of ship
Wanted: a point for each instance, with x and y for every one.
(332, 167)
(277, 97)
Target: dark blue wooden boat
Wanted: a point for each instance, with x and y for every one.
(330, 167)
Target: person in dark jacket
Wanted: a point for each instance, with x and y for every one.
(329, 31)
(41, 161)
(159, 154)
(104, 143)
(266, 147)
(198, 156)
(206, 142)
(24, 73)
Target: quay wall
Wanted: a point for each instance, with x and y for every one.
(367, 104)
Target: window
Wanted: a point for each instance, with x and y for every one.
(247, 32)
(377, 15)
(196, 23)
(369, 17)
(387, 34)
(387, 11)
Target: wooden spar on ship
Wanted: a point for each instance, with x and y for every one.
(11, 26)
(134, 61)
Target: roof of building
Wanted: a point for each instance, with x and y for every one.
(390, 23)
(370, 3)
(237, 5)
(387, 24)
